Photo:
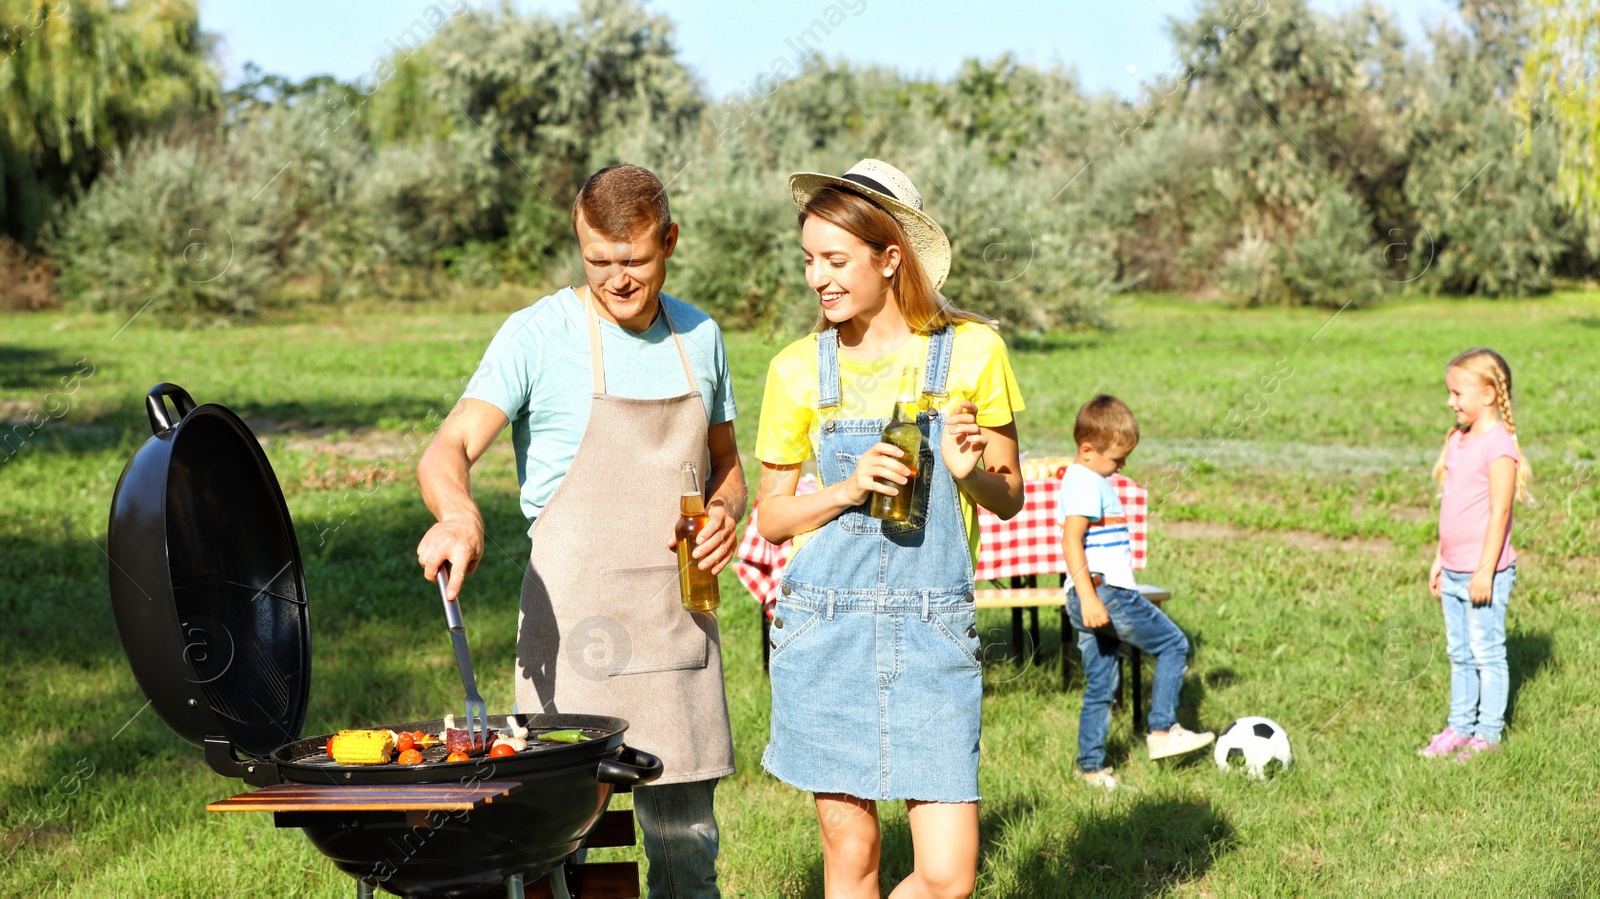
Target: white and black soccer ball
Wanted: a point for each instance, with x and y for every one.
(1256, 746)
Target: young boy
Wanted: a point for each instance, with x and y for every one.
(1104, 600)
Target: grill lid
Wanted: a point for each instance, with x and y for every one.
(207, 584)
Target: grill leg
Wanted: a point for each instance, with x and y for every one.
(515, 888)
(558, 882)
(363, 890)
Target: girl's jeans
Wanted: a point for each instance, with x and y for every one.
(1137, 622)
(1475, 640)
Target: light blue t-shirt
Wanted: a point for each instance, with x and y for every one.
(537, 372)
(1106, 546)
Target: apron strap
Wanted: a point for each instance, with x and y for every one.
(683, 354)
(597, 362)
(937, 371)
(828, 369)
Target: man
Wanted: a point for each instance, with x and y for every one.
(610, 389)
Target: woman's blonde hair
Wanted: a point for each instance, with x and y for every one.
(1490, 368)
(924, 309)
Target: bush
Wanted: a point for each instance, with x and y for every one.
(1334, 262)
(176, 234)
(1489, 218)
(1159, 198)
(739, 255)
(1251, 273)
(1019, 255)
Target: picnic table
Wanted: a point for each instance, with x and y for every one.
(1011, 556)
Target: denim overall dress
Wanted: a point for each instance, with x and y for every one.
(877, 678)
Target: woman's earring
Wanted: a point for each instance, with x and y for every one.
(888, 273)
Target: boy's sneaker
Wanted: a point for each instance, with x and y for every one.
(1104, 779)
(1474, 747)
(1445, 742)
(1178, 741)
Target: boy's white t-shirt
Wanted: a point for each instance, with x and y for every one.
(1107, 547)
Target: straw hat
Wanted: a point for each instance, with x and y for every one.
(888, 187)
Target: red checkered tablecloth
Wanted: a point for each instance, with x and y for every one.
(1028, 544)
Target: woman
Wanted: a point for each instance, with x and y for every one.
(876, 672)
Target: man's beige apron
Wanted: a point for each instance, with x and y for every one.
(603, 630)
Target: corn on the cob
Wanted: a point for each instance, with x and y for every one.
(363, 747)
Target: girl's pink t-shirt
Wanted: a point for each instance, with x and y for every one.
(1464, 512)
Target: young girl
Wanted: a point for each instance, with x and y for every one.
(877, 675)
(1481, 468)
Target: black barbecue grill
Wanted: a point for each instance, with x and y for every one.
(210, 601)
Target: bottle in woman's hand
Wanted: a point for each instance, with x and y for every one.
(902, 433)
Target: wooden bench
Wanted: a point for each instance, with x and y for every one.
(595, 880)
(1024, 593)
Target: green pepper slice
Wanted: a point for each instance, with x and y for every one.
(572, 735)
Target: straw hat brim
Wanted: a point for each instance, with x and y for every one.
(927, 239)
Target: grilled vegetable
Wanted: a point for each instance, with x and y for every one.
(458, 757)
(404, 742)
(361, 747)
(410, 757)
(517, 744)
(501, 750)
(571, 735)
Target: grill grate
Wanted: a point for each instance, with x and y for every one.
(312, 753)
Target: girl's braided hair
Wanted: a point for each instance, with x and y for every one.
(1490, 368)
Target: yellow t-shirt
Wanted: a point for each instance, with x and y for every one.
(791, 424)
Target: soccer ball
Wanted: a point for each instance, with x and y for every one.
(1256, 745)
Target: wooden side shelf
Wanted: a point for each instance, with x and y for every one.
(366, 798)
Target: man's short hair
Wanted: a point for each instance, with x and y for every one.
(618, 200)
(1105, 423)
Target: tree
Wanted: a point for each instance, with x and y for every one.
(1490, 221)
(80, 81)
(1559, 85)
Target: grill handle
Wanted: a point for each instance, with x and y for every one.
(156, 407)
(631, 768)
(256, 772)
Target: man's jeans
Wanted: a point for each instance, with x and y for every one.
(1137, 622)
(1475, 641)
(680, 839)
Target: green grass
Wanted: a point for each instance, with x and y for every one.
(1292, 525)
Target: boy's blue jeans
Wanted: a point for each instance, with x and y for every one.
(1137, 622)
(1475, 640)
(680, 839)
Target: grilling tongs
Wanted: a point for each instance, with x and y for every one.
(477, 712)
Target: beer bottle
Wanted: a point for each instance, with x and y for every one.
(902, 432)
(697, 588)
